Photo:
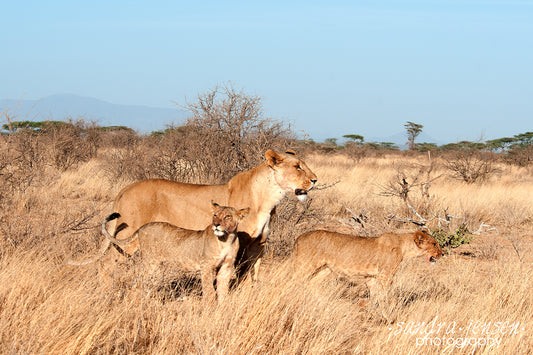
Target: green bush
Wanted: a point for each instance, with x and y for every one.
(447, 239)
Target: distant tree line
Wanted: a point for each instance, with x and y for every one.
(413, 130)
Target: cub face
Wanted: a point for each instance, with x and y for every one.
(226, 219)
(428, 245)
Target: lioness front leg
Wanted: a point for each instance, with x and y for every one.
(255, 270)
(208, 278)
(224, 276)
(379, 287)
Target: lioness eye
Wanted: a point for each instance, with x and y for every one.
(227, 217)
(298, 167)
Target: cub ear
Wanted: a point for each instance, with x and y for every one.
(243, 212)
(273, 158)
(214, 206)
(419, 237)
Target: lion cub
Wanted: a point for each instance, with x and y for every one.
(376, 259)
(211, 251)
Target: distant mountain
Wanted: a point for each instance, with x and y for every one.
(59, 107)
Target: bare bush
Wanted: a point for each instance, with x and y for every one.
(471, 165)
(356, 151)
(227, 133)
(172, 159)
(71, 143)
(117, 137)
(129, 162)
(411, 177)
(291, 219)
(23, 161)
(521, 156)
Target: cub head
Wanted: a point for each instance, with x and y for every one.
(428, 246)
(226, 219)
(291, 173)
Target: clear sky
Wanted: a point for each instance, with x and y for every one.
(462, 68)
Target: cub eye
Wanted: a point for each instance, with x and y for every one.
(298, 167)
(227, 217)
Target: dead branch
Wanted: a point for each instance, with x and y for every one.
(360, 218)
(320, 187)
(482, 227)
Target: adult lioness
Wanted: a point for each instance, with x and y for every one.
(188, 205)
(211, 251)
(376, 259)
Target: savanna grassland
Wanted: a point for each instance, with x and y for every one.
(477, 298)
(58, 181)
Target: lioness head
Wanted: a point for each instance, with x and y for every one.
(226, 219)
(428, 246)
(291, 173)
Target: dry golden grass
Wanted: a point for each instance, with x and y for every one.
(479, 293)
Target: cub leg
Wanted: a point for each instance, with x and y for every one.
(208, 278)
(224, 276)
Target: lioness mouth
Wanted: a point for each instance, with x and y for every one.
(300, 192)
(218, 232)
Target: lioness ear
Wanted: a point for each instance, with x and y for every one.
(418, 237)
(273, 158)
(214, 206)
(242, 213)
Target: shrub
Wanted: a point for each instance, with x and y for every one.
(471, 165)
(447, 239)
(71, 143)
(227, 133)
(521, 156)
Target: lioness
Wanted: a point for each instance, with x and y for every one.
(211, 251)
(376, 259)
(187, 205)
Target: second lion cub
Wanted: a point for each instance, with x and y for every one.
(376, 259)
(211, 251)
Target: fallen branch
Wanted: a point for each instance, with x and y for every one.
(483, 225)
(325, 186)
(362, 218)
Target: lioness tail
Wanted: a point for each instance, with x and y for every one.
(103, 248)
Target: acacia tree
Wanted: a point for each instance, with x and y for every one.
(524, 139)
(413, 130)
(355, 138)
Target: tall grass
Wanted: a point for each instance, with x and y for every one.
(483, 295)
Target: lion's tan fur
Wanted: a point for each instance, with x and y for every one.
(187, 205)
(211, 251)
(376, 259)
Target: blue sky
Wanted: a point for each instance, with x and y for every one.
(463, 68)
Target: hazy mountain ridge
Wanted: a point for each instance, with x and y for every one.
(62, 106)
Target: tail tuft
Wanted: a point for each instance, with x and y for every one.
(113, 216)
